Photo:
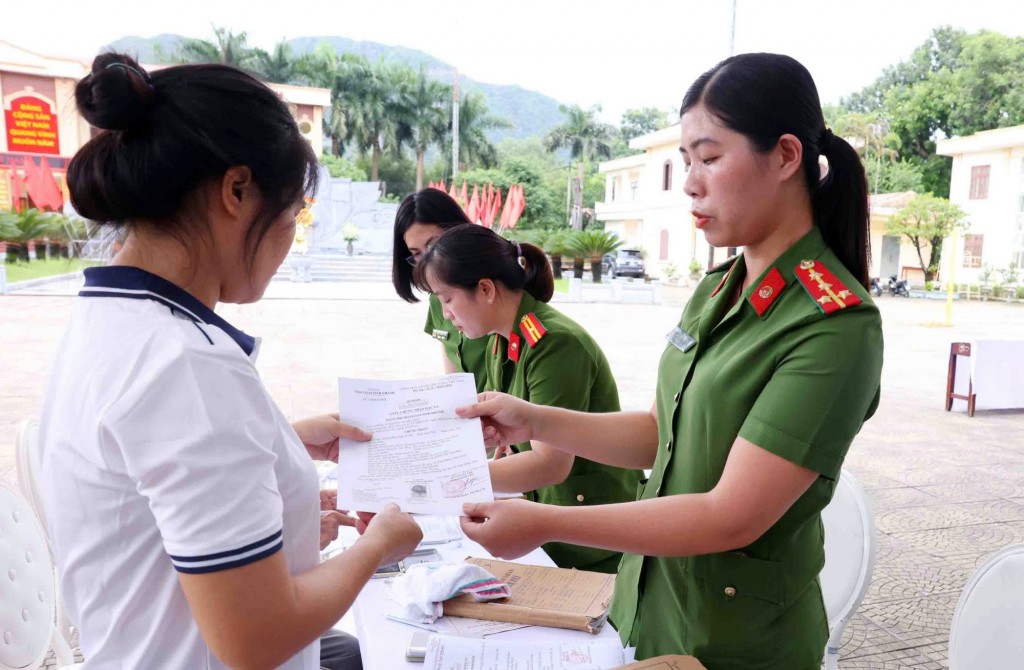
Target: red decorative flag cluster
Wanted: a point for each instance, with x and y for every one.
(485, 204)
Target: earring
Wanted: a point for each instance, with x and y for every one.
(490, 301)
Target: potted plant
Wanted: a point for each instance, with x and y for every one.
(594, 244)
(350, 233)
(557, 244)
(671, 273)
(695, 270)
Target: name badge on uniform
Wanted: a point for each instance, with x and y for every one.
(439, 334)
(681, 339)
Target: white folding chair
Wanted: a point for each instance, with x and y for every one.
(27, 596)
(29, 464)
(988, 625)
(849, 558)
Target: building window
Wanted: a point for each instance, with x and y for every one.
(666, 176)
(979, 182)
(614, 184)
(633, 186)
(972, 250)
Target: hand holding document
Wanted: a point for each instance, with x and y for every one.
(422, 456)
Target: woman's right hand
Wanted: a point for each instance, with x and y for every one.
(394, 529)
(506, 419)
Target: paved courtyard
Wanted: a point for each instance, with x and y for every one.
(947, 490)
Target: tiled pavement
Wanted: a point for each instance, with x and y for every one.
(947, 490)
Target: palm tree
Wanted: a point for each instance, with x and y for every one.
(230, 49)
(558, 243)
(475, 119)
(595, 244)
(278, 66)
(587, 140)
(376, 115)
(426, 101)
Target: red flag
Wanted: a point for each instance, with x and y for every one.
(506, 211)
(431, 184)
(518, 204)
(53, 198)
(440, 186)
(495, 206)
(473, 211)
(17, 188)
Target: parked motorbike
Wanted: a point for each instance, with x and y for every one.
(899, 287)
(876, 286)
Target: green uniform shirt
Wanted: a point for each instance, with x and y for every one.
(564, 368)
(794, 381)
(465, 354)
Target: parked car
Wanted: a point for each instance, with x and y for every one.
(623, 263)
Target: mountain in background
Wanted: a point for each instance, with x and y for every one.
(532, 114)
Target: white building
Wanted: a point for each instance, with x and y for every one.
(987, 183)
(645, 204)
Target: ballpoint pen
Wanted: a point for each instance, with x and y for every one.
(415, 624)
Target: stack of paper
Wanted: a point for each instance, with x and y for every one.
(458, 653)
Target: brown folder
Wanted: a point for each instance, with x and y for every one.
(673, 662)
(541, 596)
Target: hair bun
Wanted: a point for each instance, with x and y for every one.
(117, 95)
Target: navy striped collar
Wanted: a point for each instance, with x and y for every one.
(122, 281)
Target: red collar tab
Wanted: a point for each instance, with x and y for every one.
(532, 329)
(722, 283)
(829, 294)
(767, 292)
(514, 346)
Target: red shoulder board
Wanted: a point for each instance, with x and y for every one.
(532, 329)
(828, 293)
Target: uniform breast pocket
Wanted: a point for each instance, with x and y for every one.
(592, 488)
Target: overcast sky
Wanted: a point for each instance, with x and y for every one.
(616, 53)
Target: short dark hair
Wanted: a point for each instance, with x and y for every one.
(764, 96)
(430, 206)
(465, 254)
(169, 133)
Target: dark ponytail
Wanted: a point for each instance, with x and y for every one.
(764, 96)
(465, 254)
(168, 134)
(429, 206)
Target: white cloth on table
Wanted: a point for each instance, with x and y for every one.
(422, 590)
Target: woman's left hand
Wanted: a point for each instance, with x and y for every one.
(320, 435)
(329, 524)
(507, 529)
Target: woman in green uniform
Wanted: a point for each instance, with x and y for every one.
(421, 218)
(771, 372)
(489, 286)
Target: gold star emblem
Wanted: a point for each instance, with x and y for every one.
(824, 299)
(765, 292)
(815, 275)
(515, 346)
(843, 294)
(806, 265)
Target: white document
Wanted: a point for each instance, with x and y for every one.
(438, 529)
(422, 456)
(459, 653)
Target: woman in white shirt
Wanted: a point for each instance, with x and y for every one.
(182, 505)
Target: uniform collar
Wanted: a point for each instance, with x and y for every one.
(514, 339)
(122, 281)
(762, 293)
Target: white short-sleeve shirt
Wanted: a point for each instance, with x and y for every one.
(161, 452)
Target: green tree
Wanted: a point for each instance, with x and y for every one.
(954, 84)
(475, 120)
(427, 101)
(926, 221)
(587, 139)
(377, 115)
(230, 48)
(637, 122)
(279, 66)
(339, 166)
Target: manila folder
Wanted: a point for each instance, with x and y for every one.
(541, 596)
(672, 662)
